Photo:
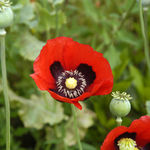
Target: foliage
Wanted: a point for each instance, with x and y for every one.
(37, 121)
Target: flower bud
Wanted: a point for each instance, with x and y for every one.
(120, 105)
(6, 15)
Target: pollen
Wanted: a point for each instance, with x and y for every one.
(127, 144)
(71, 83)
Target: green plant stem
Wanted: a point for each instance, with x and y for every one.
(75, 126)
(65, 146)
(119, 121)
(5, 88)
(144, 34)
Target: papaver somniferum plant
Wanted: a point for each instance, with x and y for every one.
(134, 137)
(72, 72)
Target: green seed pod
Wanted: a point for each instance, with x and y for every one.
(120, 105)
(6, 17)
(145, 3)
(120, 108)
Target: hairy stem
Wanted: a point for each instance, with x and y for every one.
(144, 34)
(119, 121)
(5, 88)
(75, 126)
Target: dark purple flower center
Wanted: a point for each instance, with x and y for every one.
(72, 83)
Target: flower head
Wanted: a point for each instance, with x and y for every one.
(71, 71)
(134, 137)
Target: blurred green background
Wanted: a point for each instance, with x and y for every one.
(110, 26)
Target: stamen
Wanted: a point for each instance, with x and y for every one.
(127, 144)
(71, 83)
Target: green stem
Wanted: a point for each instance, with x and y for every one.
(119, 121)
(65, 146)
(75, 126)
(144, 33)
(5, 88)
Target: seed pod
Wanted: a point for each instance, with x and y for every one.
(6, 17)
(120, 105)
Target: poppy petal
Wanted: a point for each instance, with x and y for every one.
(76, 54)
(78, 105)
(51, 52)
(108, 143)
(68, 100)
(142, 128)
(41, 83)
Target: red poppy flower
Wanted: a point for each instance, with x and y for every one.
(135, 137)
(71, 71)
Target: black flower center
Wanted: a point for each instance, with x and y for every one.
(147, 147)
(73, 83)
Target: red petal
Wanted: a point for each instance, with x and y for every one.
(68, 100)
(78, 105)
(41, 83)
(52, 51)
(108, 143)
(142, 128)
(76, 53)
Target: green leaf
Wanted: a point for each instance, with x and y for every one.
(122, 85)
(55, 2)
(119, 69)
(113, 56)
(137, 79)
(146, 92)
(88, 146)
(47, 19)
(129, 38)
(30, 46)
(38, 111)
(90, 10)
(26, 14)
